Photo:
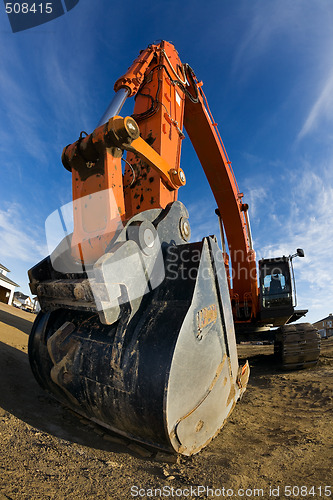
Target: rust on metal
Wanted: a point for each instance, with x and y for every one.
(205, 317)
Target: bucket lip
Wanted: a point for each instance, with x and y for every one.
(233, 395)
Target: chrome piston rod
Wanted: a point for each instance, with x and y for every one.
(115, 105)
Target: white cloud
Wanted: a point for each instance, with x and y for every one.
(20, 123)
(20, 240)
(255, 198)
(305, 221)
(269, 25)
(43, 93)
(299, 215)
(68, 93)
(321, 109)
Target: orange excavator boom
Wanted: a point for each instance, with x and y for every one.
(168, 96)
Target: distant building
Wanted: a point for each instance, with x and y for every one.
(23, 301)
(36, 304)
(7, 286)
(325, 326)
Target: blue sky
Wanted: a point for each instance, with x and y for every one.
(268, 76)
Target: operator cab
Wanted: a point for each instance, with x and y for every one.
(277, 289)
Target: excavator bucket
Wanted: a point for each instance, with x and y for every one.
(142, 341)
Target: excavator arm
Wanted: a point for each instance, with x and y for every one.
(168, 94)
(206, 140)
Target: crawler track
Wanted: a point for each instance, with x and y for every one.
(297, 346)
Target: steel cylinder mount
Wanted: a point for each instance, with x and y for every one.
(178, 177)
(117, 133)
(144, 234)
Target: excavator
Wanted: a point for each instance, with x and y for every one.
(138, 327)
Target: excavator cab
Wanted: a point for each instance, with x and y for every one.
(277, 288)
(276, 284)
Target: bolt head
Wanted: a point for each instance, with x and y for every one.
(185, 229)
(148, 237)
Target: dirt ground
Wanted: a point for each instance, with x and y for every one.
(278, 439)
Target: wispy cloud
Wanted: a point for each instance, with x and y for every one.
(20, 124)
(321, 109)
(41, 94)
(306, 223)
(254, 43)
(299, 215)
(20, 240)
(291, 35)
(256, 197)
(264, 23)
(68, 95)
